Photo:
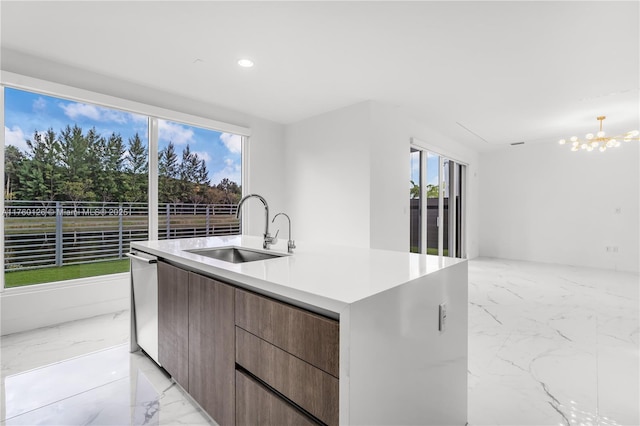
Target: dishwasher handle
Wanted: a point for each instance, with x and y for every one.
(141, 259)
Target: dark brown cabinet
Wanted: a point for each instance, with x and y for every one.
(306, 335)
(307, 386)
(292, 351)
(288, 357)
(196, 338)
(173, 322)
(257, 405)
(211, 343)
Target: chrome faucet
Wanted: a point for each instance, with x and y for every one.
(290, 243)
(268, 239)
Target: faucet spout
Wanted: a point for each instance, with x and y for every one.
(268, 240)
(290, 243)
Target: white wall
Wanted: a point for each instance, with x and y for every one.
(265, 173)
(545, 203)
(393, 131)
(327, 160)
(358, 156)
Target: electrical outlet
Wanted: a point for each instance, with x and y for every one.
(442, 316)
(618, 210)
(615, 249)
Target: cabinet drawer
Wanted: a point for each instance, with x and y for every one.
(307, 386)
(257, 405)
(308, 336)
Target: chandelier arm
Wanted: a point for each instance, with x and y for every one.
(600, 140)
(624, 136)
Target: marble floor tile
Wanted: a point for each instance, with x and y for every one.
(81, 373)
(43, 346)
(109, 387)
(43, 386)
(548, 345)
(552, 345)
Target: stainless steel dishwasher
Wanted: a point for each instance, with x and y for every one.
(144, 303)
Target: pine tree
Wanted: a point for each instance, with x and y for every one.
(188, 166)
(13, 159)
(137, 167)
(169, 174)
(93, 159)
(136, 160)
(74, 149)
(111, 185)
(188, 171)
(80, 157)
(202, 174)
(40, 172)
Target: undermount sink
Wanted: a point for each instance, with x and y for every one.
(235, 254)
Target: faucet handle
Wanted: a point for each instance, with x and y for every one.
(274, 239)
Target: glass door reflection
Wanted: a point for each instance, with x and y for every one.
(415, 200)
(433, 196)
(437, 187)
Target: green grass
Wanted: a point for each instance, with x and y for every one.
(62, 273)
(433, 251)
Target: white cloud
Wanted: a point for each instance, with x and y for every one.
(74, 111)
(15, 136)
(203, 155)
(94, 112)
(232, 142)
(39, 104)
(178, 134)
(231, 171)
(139, 118)
(111, 115)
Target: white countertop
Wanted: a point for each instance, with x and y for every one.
(322, 276)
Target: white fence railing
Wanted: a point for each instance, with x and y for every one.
(41, 234)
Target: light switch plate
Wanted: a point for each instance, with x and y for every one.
(442, 316)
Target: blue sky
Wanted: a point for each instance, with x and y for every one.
(27, 112)
(432, 168)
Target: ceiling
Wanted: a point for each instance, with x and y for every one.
(485, 74)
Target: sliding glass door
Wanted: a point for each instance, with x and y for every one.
(415, 200)
(453, 176)
(437, 194)
(433, 203)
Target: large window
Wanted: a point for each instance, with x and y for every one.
(437, 204)
(76, 186)
(199, 181)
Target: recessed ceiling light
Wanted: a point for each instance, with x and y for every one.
(245, 63)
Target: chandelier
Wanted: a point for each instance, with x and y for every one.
(599, 140)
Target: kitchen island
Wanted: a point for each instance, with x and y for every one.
(327, 334)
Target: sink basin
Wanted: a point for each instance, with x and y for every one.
(235, 254)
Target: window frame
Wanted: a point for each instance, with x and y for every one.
(424, 149)
(153, 113)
